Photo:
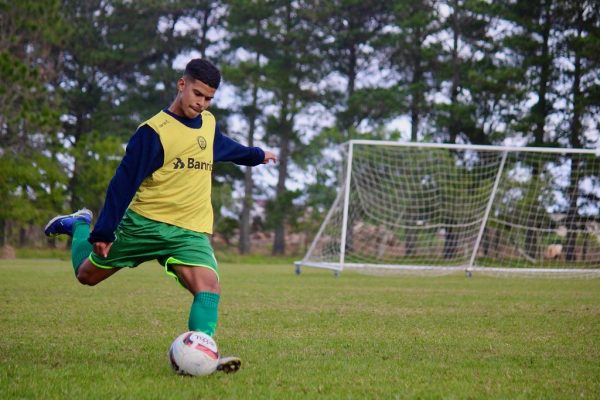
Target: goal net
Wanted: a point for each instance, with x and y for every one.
(447, 208)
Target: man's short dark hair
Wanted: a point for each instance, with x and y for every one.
(205, 71)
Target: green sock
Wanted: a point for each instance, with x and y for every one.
(204, 313)
(80, 248)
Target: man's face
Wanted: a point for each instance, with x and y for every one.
(195, 96)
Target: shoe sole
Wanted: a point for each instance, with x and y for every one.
(230, 366)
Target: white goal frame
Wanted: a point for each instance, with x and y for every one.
(468, 267)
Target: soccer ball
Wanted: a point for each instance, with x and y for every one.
(194, 353)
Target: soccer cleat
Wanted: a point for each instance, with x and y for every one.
(63, 224)
(229, 365)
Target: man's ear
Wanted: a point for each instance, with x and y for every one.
(180, 84)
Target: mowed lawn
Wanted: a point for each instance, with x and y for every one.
(300, 337)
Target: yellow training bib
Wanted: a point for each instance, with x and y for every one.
(179, 193)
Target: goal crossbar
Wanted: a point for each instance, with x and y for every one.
(480, 147)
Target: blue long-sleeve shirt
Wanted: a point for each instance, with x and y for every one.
(144, 155)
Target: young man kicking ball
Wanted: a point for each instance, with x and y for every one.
(158, 203)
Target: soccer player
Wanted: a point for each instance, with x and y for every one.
(158, 203)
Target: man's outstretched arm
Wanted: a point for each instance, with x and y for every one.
(227, 149)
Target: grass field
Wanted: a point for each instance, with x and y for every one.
(300, 337)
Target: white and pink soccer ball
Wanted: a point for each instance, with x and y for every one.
(194, 353)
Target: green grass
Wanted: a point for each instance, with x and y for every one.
(301, 337)
(26, 252)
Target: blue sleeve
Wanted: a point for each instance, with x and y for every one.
(227, 149)
(143, 156)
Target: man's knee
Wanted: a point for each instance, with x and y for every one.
(212, 285)
(90, 275)
(205, 281)
(198, 279)
(86, 278)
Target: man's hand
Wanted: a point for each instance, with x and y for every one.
(269, 157)
(102, 248)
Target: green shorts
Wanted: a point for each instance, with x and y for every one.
(140, 239)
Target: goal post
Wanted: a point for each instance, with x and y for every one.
(442, 208)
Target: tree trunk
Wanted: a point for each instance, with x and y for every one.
(531, 243)
(539, 114)
(73, 186)
(244, 242)
(415, 101)
(451, 242)
(454, 127)
(350, 88)
(279, 238)
(540, 109)
(411, 242)
(2, 233)
(573, 191)
(284, 153)
(23, 236)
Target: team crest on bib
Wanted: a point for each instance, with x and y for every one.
(201, 142)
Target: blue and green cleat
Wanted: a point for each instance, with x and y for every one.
(63, 224)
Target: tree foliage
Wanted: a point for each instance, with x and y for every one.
(31, 40)
(302, 77)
